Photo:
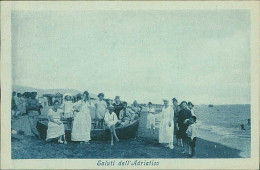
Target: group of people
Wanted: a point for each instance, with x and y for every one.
(177, 122)
(107, 115)
(26, 103)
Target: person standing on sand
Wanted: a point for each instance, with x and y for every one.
(101, 108)
(176, 109)
(150, 124)
(82, 123)
(111, 120)
(19, 104)
(184, 115)
(24, 104)
(67, 107)
(13, 105)
(55, 125)
(191, 108)
(192, 135)
(33, 107)
(136, 108)
(118, 106)
(166, 125)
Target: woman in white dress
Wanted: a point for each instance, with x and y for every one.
(82, 121)
(150, 124)
(166, 125)
(101, 108)
(111, 120)
(55, 125)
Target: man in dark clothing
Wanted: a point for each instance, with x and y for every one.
(184, 115)
(32, 106)
(176, 109)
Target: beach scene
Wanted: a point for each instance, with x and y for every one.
(131, 84)
(217, 139)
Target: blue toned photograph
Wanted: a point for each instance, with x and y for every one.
(130, 84)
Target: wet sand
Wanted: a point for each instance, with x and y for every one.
(144, 146)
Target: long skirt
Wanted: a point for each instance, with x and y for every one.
(81, 127)
(166, 132)
(55, 130)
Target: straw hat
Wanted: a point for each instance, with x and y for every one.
(66, 94)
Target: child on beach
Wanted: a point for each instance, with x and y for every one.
(101, 108)
(67, 107)
(192, 135)
(150, 124)
(111, 121)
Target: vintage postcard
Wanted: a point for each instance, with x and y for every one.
(130, 85)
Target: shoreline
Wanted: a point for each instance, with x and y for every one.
(241, 144)
(26, 147)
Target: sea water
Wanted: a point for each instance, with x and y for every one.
(222, 124)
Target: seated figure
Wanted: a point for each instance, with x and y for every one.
(126, 115)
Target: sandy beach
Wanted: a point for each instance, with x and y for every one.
(144, 146)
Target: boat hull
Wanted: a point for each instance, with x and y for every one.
(126, 132)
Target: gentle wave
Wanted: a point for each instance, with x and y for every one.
(225, 131)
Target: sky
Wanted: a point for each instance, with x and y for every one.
(201, 56)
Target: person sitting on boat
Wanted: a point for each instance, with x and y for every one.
(101, 108)
(55, 125)
(67, 107)
(111, 120)
(150, 124)
(136, 108)
(117, 105)
(82, 122)
(126, 115)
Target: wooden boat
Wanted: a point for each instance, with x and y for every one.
(210, 105)
(123, 132)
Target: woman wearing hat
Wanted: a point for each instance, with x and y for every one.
(82, 122)
(111, 120)
(166, 125)
(67, 107)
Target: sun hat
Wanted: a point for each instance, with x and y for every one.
(66, 94)
(183, 102)
(101, 94)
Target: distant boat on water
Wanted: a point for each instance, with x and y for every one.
(210, 105)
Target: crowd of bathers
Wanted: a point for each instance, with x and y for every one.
(177, 122)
